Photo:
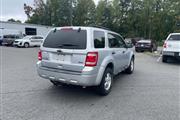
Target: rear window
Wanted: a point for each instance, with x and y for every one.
(174, 37)
(99, 39)
(66, 39)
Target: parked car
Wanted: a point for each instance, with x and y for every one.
(9, 39)
(28, 41)
(85, 56)
(171, 47)
(146, 45)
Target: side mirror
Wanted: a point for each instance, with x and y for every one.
(130, 45)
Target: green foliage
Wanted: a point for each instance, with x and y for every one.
(150, 19)
(13, 20)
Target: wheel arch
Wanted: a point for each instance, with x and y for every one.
(102, 69)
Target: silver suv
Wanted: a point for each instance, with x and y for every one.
(84, 56)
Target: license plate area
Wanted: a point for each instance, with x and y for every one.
(61, 57)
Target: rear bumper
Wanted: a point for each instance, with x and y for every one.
(142, 48)
(67, 77)
(171, 53)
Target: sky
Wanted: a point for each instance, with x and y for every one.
(14, 9)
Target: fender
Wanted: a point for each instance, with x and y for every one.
(106, 61)
(131, 55)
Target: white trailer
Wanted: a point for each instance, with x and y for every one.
(23, 28)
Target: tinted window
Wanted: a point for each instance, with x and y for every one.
(99, 39)
(40, 37)
(115, 41)
(66, 39)
(174, 37)
(33, 38)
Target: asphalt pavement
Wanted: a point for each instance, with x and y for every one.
(152, 92)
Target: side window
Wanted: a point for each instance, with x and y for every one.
(40, 38)
(33, 37)
(115, 41)
(99, 39)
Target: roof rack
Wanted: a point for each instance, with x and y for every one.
(99, 27)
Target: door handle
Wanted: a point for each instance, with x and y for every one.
(113, 52)
(123, 52)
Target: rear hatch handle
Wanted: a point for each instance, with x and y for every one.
(62, 53)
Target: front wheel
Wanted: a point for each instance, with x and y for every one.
(106, 83)
(130, 68)
(26, 45)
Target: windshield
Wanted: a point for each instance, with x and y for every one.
(66, 39)
(174, 37)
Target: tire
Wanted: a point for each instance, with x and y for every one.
(26, 45)
(130, 68)
(106, 83)
(137, 50)
(151, 50)
(56, 83)
(164, 59)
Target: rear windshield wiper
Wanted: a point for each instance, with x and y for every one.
(69, 45)
(66, 45)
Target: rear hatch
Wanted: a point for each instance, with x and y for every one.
(65, 49)
(143, 44)
(173, 43)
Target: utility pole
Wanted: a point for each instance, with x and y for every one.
(71, 12)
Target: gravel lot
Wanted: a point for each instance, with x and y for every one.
(151, 93)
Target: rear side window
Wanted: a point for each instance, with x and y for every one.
(99, 39)
(174, 37)
(66, 39)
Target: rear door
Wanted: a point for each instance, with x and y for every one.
(33, 41)
(65, 49)
(173, 43)
(118, 51)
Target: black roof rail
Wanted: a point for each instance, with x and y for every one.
(99, 27)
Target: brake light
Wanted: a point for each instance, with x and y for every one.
(165, 45)
(67, 29)
(91, 59)
(40, 55)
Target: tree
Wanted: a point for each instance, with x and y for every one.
(150, 19)
(84, 12)
(104, 15)
(13, 20)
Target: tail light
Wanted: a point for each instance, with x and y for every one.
(91, 59)
(40, 55)
(165, 45)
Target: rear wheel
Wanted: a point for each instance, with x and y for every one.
(106, 83)
(137, 50)
(26, 45)
(130, 69)
(56, 83)
(164, 59)
(152, 50)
